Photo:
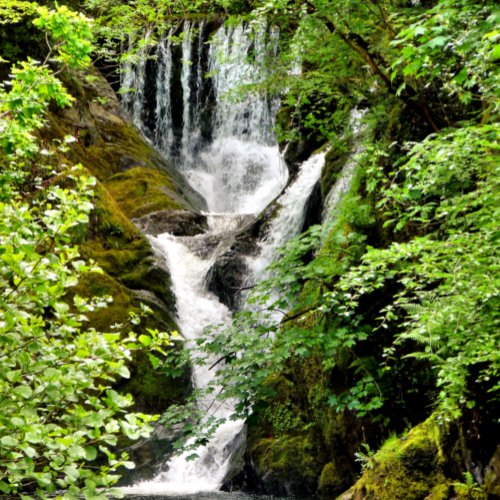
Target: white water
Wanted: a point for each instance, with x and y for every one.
(187, 67)
(240, 169)
(289, 220)
(132, 80)
(344, 180)
(250, 117)
(239, 176)
(196, 310)
(164, 134)
(239, 172)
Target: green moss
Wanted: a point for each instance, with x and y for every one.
(440, 492)
(468, 492)
(492, 478)
(335, 159)
(288, 461)
(153, 390)
(407, 468)
(140, 191)
(102, 285)
(113, 242)
(108, 145)
(333, 480)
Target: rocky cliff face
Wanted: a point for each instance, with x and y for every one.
(134, 181)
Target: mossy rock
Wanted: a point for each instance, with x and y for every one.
(492, 477)
(153, 390)
(123, 252)
(96, 284)
(333, 480)
(335, 159)
(285, 465)
(404, 468)
(108, 143)
(141, 191)
(110, 147)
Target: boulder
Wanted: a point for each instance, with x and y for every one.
(175, 222)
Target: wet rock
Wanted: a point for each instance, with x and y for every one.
(313, 208)
(149, 455)
(334, 480)
(175, 222)
(237, 452)
(492, 478)
(284, 466)
(228, 276)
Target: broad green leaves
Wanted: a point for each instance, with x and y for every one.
(453, 44)
(71, 34)
(60, 418)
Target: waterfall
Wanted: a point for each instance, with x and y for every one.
(187, 68)
(196, 310)
(345, 177)
(234, 160)
(291, 213)
(225, 146)
(133, 81)
(289, 219)
(231, 62)
(237, 167)
(164, 135)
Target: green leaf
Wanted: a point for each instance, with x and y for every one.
(23, 391)
(145, 340)
(155, 362)
(90, 453)
(4, 487)
(460, 78)
(9, 441)
(124, 372)
(438, 41)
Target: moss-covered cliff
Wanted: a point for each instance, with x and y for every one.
(133, 181)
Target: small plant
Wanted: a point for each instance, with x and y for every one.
(365, 457)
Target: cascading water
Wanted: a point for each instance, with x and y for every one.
(164, 136)
(345, 177)
(196, 309)
(234, 160)
(238, 170)
(291, 213)
(235, 164)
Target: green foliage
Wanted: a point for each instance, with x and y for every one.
(454, 45)
(60, 417)
(428, 299)
(429, 302)
(71, 35)
(14, 11)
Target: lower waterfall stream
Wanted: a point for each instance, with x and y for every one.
(239, 171)
(189, 260)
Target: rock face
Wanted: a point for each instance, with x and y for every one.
(425, 463)
(149, 454)
(228, 276)
(284, 466)
(175, 222)
(133, 181)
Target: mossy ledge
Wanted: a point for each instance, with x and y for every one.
(420, 466)
(133, 180)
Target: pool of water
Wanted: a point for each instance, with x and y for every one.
(217, 495)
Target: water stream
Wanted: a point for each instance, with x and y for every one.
(238, 169)
(235, 164)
